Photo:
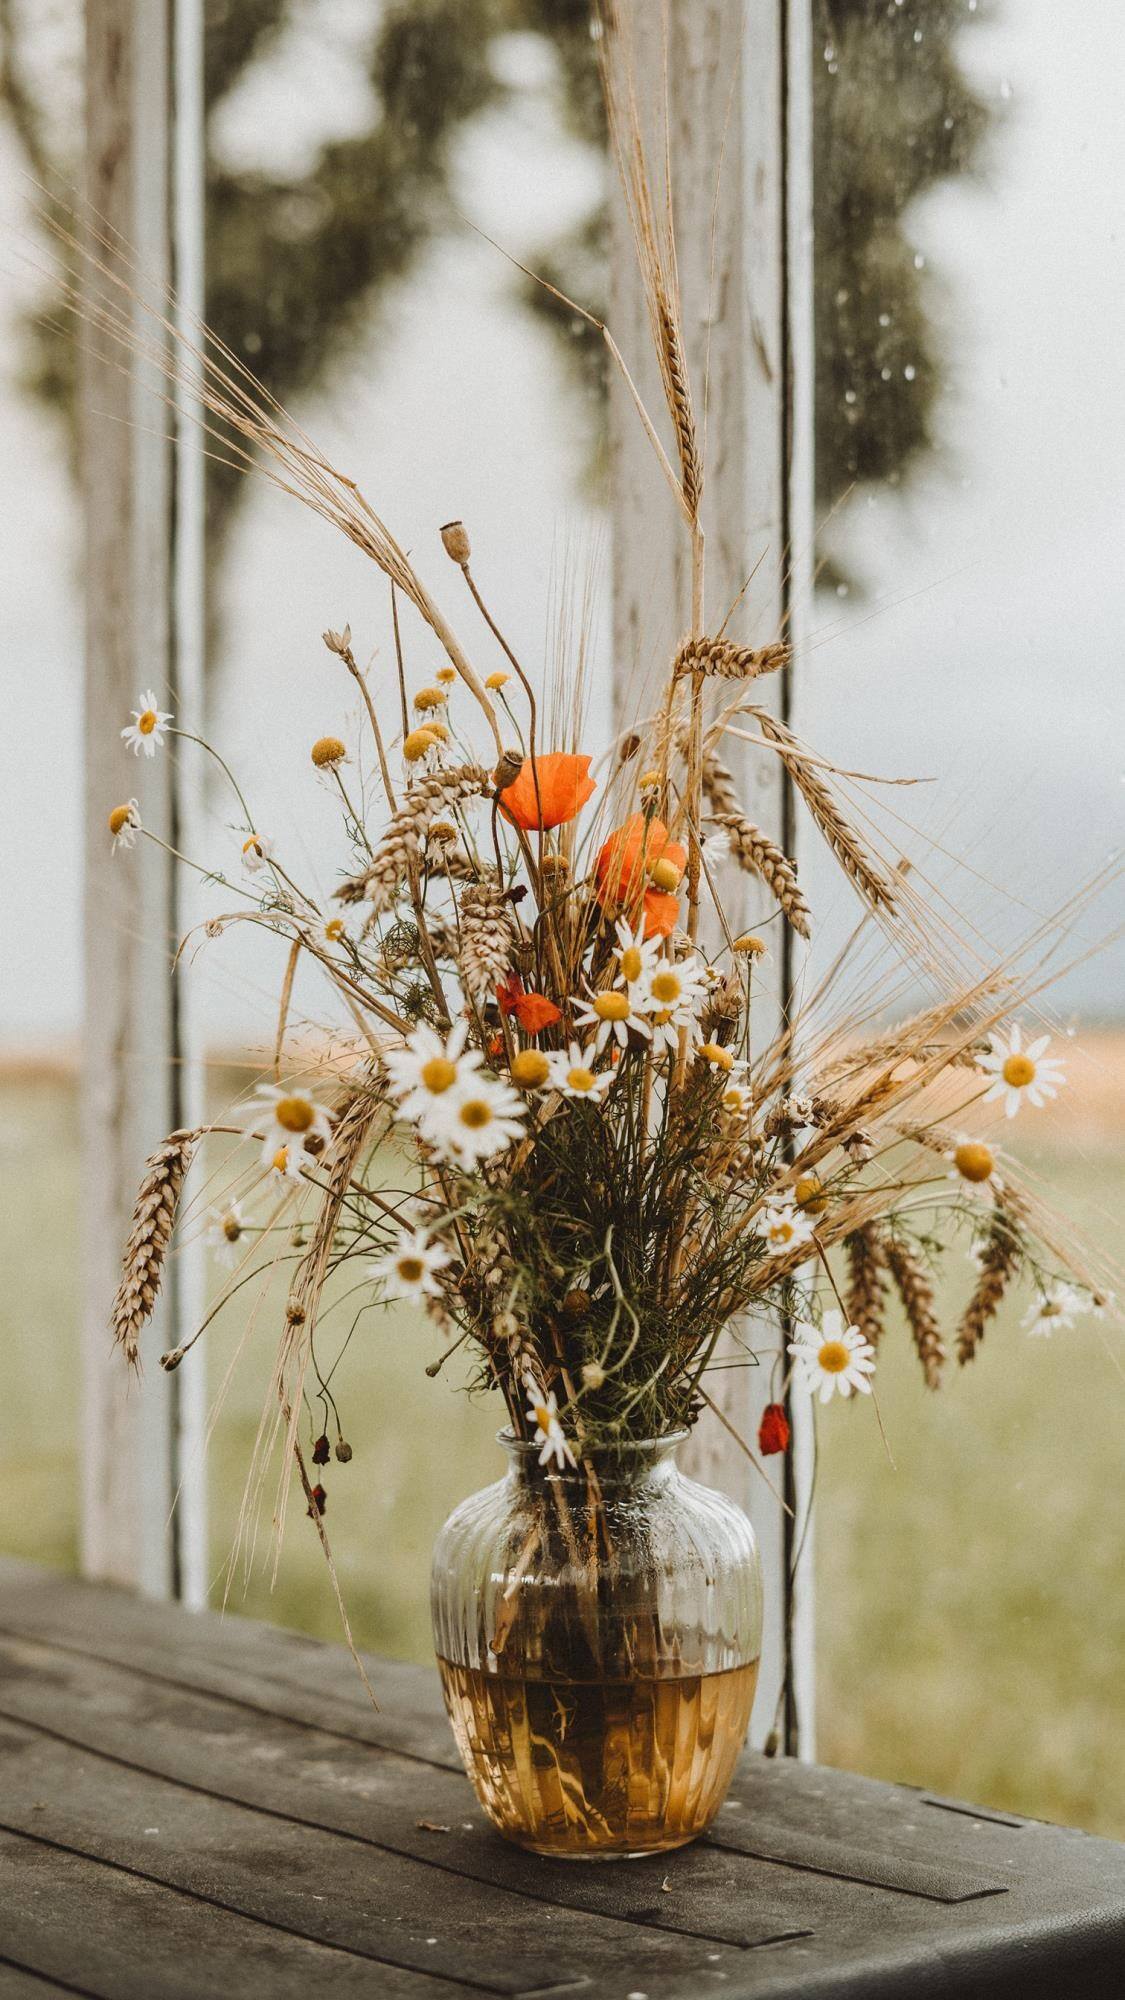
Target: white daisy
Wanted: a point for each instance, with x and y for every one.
(429, 1067)
(412, 1264)
(1054, 1311)
(784, 1226)
(479, 1118)
(288, 1120)
(571, 1073)
(834, 1359)
(123, 823)
(636, 957)
(672, 993)
(1018, 1072)
(146, 731)
(227, 1227)
(612, 1013)
(256, 852)
(736, 1101)
(549, 1432)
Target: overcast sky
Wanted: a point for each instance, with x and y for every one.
(989, 652)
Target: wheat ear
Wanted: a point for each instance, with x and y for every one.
(154, 1217)
(1000, 1259)
(866, 1296)
(726, 661)
(402, 842)
(757, 855)
(917, 1294)
(845, 843)
(487, 937)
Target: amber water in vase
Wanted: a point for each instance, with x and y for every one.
(598, 1633)
(597, 1768)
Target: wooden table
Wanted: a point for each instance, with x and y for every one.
(203, 1807)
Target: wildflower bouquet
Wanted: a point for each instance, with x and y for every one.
(552, 1115)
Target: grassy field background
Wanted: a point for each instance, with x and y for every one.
(970, 1600)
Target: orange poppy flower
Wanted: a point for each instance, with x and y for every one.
(628, 858)
(661, 913)
(773, 1431)
(533, 1011)
(554, 792)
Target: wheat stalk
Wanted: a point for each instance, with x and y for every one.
(402, 842)
(917, 1294)
(727, 661)
(758, 855)
(866, 1296)
(487, 937)
(1000, 1259)
(154, 1217)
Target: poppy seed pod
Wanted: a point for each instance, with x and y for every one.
(455, 542)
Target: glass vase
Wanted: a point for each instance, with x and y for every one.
(598, 1633)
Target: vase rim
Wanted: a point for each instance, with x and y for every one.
(523, 1448)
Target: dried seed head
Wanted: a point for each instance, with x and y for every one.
(455, 542)
(753, 947)
(530, 1069)
(593, 1375)
(343, 1451)
(505, 1326)
(576, 1303)
(321, 1450)
(444, 832)
(508, 770)
(172, 1359)
(430, 697)
(328, 751)
(628, 747)
(554, 864)
(338, 642)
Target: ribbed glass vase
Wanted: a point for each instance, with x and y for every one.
(598, 1634)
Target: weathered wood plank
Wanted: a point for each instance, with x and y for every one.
(101, 1931)
(328, 1887)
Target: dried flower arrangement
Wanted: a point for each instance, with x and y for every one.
(555, 1126)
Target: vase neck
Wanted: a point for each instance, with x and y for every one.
(631, 1462)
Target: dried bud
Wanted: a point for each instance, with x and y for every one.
(628, 747)
(339, 642)
(172, 1359)
(593, 1375)
(328, 751)
(507, 770)
(556, 865)
(505, 1326)
(318, 1503)
(321, 1450)
(773, 1431)
(295, 1315)
(576, 1304)
(455, 542)
(443, 832)
(343, 1451)
(752, 946)
(809, 1194)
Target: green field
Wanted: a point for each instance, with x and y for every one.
(970, 1602)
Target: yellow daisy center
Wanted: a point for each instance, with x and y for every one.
(580, 1079)
(437, 730)
(733, 1099)
(120, 817)
(294, 1114)
(973, 1161)
(781, 1231)
(146, 723)
(648, 780)
(719, 1057)
(1018, 1071)
(410, 1269)
(496, 681)
(280, 1160)
(809, 1194)
(833, 1357)
(328, 750)
(632, 964)
(750, 944)
(476, 1113)
(417, 744)
(432, 697)
(334, 929)
(611, 1007)
(438, 1074)
(543, 1417)
(231, 1228)
(667, 988)
(252, 846)
(446, 675)
(665, 875)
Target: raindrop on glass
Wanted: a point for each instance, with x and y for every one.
(1006, 88)
(919, 261)
(884, 319)
(885, 373)
(841, 590)
(917, 34)
(910, 371)
(849, 395)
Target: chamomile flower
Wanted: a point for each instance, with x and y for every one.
(736, 1101)
(974, 1163)
(429, 1067)
(469, 1124)
(572, 1073)
(543, 1412)
(672, 994)
(225, 1231)
(256, 852)
(289, 1120)
(146, 731)
(1054, 1311)
(612, 1014)
(412, 1265)
(123, 823)
(833, 1359)
(784, 1226)
(1020, 1072)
